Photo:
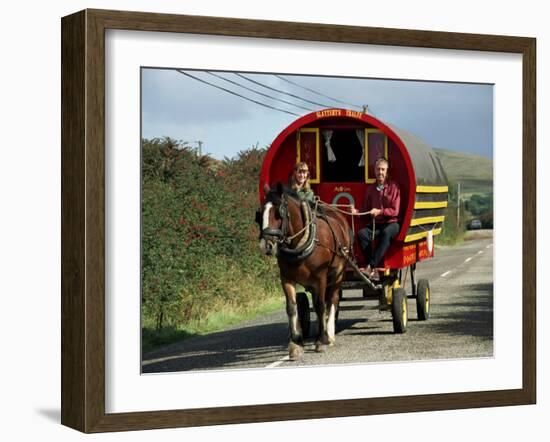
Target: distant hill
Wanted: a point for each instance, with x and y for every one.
(474, 172)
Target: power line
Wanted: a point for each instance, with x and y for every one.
(318, 93)
(282, 92)
(257, 92)
(235, 93)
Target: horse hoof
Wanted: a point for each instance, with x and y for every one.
(293, 356)
(320, 348)
(294, 352)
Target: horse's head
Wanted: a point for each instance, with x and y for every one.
(272, 219)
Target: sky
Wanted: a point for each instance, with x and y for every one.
(186, 105)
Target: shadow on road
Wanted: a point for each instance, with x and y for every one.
(369, 331)
(346, 324)
(350, 308)
(219, 350)
(470, 315)
(228, 349)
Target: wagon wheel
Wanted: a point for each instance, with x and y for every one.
(302, 302)
(423, 300)
(399, 310)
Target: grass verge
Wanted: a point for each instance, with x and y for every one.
(220, 319)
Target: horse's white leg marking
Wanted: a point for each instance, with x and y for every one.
(265, 221)
(331, 329)
(291, 308)
(295, 346)
(294, 323)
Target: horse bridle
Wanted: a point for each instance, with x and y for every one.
(278, 234)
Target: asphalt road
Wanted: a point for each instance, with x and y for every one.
(460, 324)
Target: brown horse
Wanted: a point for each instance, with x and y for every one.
(311, 249)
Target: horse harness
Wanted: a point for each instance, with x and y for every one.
(305, 249)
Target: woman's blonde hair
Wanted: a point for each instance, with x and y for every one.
(292, 181)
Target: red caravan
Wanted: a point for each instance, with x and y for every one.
(340, 147)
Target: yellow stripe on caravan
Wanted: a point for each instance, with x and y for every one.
(430, 204)
(427, 220)
(432, 189)
(421, 235)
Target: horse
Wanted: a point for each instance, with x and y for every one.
(311, 249)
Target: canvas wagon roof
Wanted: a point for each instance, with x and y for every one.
(427, 165)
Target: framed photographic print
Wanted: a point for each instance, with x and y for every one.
(177, 129)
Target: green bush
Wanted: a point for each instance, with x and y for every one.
(199, 240)
(452, 232)
(479, 205)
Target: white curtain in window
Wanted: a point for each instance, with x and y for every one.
(327, 135)
(361, 137)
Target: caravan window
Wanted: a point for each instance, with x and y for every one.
(342, 155)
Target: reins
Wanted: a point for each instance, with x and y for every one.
(348, 254)
(335, 207)
(289, 239)
(342, 251)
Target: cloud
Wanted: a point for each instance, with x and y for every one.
(447, 115)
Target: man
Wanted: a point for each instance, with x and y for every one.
(382, 204)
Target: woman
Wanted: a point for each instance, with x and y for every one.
(299, 182)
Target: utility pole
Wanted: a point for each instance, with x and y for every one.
(199, 146)
(458, 205)
(200, 143)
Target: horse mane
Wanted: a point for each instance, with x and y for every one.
(273, 197)
(276, 194)
(293, 194)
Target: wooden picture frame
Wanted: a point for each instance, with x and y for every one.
(83, 220)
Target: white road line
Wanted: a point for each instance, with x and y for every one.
(279, 362)
(468, 259)
(489, 246)
(480, 252)
(445, 274)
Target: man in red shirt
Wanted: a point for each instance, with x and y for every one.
(381, 203)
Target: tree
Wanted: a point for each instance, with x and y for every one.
(479, 204)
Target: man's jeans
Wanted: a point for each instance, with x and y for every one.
(384, 234)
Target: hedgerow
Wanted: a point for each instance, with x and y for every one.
(199, 241)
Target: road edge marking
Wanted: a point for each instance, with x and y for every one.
(279, 362)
